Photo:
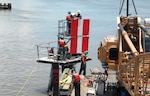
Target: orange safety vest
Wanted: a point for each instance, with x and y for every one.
(68, 17)
(83, 58)
(61, 43)
(76, 78)
(51, 51)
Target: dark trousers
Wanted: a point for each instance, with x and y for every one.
(83, 68)
(77, 88)
(61, 52)
(69, 26)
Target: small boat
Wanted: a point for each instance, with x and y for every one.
(5, 6)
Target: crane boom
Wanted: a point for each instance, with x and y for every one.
(128, 54)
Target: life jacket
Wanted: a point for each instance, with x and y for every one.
(68, 17)
(106, 73)
(76, 78)
(51, 51)
(83, 58)
(61, 43)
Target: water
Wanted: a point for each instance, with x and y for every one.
(32, 22)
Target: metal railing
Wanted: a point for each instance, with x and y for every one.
(135, 75)
(62, 27)
(43, 49)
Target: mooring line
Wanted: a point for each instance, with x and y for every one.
(26, 81)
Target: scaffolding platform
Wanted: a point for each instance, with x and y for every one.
(53, 59)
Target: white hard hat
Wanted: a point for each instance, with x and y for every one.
(79, 12)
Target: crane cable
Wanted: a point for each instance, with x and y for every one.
(28, 78)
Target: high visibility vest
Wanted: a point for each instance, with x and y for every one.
(83, 58)
(76, 78)
(51, 51)
(68, 17)
(61, 43)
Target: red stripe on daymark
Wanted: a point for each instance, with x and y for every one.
(85, 35)
(73, 34)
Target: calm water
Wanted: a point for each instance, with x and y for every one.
(31, 22)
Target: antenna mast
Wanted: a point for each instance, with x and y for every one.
(127, 7)
(127, 12)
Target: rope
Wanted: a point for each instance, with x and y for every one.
(26, 81)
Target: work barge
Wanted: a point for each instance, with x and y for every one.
(60, 82)
(125, 59)
(60, 79)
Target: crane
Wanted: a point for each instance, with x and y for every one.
(128, 54)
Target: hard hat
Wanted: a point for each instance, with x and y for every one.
(85, 52)
(52, 47)
(69, 12)
(61, 37)
(79, 12)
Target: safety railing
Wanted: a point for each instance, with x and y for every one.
(62, 28)
(135, 75)
(43, 49)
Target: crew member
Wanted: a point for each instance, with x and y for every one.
(51, 51)
(105, 74)
(78, 15)
(69, 18)
(76, 81)
(61, 49)
(83, 64)
(61, 42)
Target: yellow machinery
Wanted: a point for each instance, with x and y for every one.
(65, 82)
(128, 54)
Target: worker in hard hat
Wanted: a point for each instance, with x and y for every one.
(76, 81)
(61, 44)
(51, 51)
(78, 15)
(83, 64)
(69, 17)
